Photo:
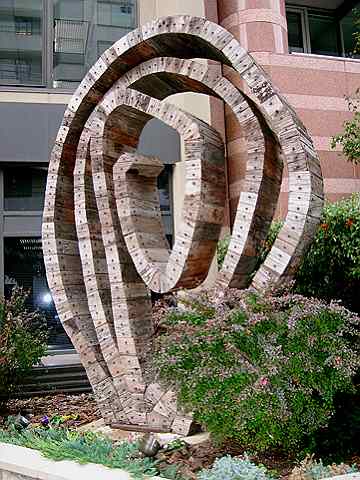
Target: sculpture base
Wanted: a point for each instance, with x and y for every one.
(138, 428)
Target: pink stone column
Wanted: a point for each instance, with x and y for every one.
(259, 25)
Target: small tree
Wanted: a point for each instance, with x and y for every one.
(23, 341)
(349, 139)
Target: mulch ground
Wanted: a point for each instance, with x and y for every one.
(83, 406)
(191, 459)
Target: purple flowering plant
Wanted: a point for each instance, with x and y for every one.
(261, 370)
(45, 421)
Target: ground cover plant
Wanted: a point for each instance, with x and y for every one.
(312, 469)
(23, 341)
(82, 447)
(175, 461)
(234, 469)
(260, 371)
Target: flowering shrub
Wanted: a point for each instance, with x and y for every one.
(228, 468)
(23, 341)
(261, 370)
(331, 268)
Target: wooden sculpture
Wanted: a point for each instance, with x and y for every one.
(104, 245)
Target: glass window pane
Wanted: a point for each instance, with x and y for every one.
(83, 31)
(295, 32)
(24, 267)
(349, 27)
(69, 9)
(21, 42)
(323, 35)
(104, 13)
(24, 190)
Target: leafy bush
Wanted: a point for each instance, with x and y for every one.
(223, 245)
(349, 139)
(331, 268)
(86, 447)
(261, 370)
(22, 341)
(221, 250)
(340, 439)
(228, 468)
(270, 239)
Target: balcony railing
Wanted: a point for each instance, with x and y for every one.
(70, 36)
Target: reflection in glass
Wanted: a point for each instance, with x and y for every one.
(24, 266)
(83, 31)
(24, 189)
(295, 32)
(349, 28)
(324, 36)
(21, 42)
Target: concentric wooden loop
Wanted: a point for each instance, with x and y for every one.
(138, 207)
(99, 291)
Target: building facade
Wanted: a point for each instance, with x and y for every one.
(47, 46)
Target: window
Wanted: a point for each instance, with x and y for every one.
(27, 26)
(24, 189)
(54, 43)
(349, 28)
(324, 38)
(120, 13)
(21, 44)
(102, 46)
(24, 266)
(83, 32)
(320, 32)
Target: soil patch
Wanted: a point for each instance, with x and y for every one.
(83, 407)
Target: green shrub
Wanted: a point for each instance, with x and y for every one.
(349, 138)
(221, 250)
(23, 341)
(270, 239)
(262, 370)
(223, 245)
(331, 268)
(340, 439)
(228, 468)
